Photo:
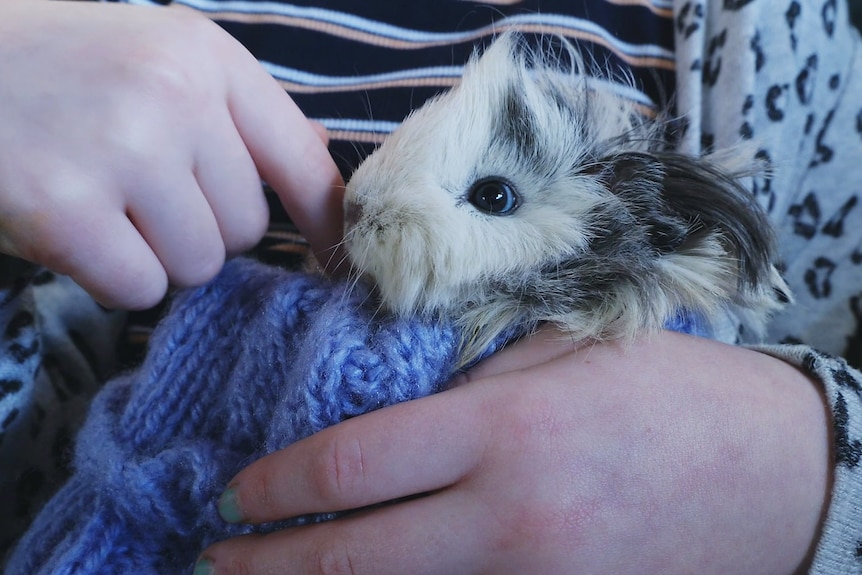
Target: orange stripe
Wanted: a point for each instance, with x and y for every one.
(376, 40)
(434, 82)
(357, 136)
(663, 12)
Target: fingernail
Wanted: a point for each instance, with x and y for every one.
(204, 566)
(228, 507)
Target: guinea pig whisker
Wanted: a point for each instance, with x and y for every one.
(339, 248)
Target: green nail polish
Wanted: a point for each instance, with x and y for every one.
(204, 566)
(228, 507)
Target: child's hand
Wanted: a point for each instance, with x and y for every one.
(674, 454)
(132, 146)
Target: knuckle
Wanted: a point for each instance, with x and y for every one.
(130, 284)
(200, 266)
(261, 490)
(332, 556)
(166, 65)
(340, 469)
(247, 232)
(143, 294)
(165, 79)
(237, 566)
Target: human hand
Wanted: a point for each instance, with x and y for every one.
(673, 455)
(134, 141)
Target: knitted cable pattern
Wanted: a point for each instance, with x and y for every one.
(253, 361)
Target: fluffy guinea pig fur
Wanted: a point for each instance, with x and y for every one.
(529, 193)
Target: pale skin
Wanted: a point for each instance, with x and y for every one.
(671, 455)
(134, 141)
(132, 150)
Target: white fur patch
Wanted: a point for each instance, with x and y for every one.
(555, 137)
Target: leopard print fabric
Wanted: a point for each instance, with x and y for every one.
(786, 77)
(56, 349)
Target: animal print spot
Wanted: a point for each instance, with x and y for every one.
(686, 26)
(735, 5)
(835, 226)
(757, 50)
(806, 216)
(776, 101)
(823, 153)
(829, 13)
(809, 363)
(809, 123)
(9, 387)
(818, 277)
(853, 348)
(848, 451)
(712, 66)
(792, 14)
(21, 353)
(805, 80)
(845, 380)
(22, 319)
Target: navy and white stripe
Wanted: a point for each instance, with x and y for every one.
(359, 68)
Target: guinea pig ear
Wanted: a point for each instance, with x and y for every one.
(679, 197)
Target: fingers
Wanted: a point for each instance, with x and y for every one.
(385, 454)
(433, 535)
(227, 175)
(373, 458)
(288, 151)
(179, 226)
(122, 273)
(172, 146)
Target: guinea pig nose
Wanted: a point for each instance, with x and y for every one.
(352, 213)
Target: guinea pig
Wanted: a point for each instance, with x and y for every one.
(529, 193)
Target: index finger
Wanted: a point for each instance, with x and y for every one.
(288, 152)
(370, 459)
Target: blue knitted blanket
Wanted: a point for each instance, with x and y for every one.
(241, 367)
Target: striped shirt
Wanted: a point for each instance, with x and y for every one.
(360, 67)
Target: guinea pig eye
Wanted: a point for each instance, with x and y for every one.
(493, 196)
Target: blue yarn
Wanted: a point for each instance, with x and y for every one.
(255, 360)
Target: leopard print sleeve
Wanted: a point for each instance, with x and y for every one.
(785, 77)
(56, 349)
(840, 546)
